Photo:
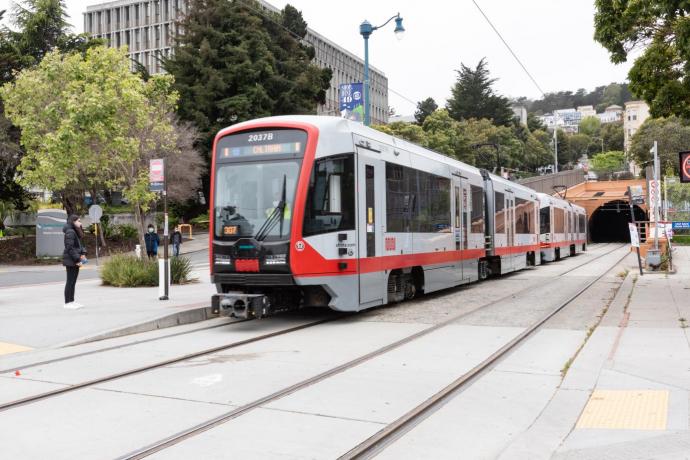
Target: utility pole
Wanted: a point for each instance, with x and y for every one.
(656, 200)
(555, 142)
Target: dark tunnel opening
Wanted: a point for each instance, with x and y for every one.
(609, 223)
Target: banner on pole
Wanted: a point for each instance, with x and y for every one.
(634, 237)
(352, 101)
(637, 194)
(684, 166)
(654, 199)
(157, 175)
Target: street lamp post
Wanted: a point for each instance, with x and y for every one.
(366, 29)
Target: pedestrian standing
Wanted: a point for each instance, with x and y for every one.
(176, 241)
(73, 257)
(152, 242)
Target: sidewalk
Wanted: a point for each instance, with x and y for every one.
(627, 393)
(31, 314)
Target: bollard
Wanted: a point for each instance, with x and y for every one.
(161, 278)
(137, 251)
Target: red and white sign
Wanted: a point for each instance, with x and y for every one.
(157, 175)
(684, 166)
(654, 198)
(390, 243)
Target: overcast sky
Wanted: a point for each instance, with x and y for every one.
(553, 38)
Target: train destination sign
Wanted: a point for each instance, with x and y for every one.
(289, 142)
(684, 158)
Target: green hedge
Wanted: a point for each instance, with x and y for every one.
(128, 271)
(681, 239)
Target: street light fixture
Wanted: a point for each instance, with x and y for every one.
(366, 29)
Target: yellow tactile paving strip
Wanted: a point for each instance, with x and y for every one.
(7, 348)
(626, 410)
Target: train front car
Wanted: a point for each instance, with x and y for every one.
(562, 230)
(282, 217)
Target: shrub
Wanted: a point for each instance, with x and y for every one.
(682, 240)
(201, 221)
(126, 231)
(180, 269)
(173, 220)
(129, 271)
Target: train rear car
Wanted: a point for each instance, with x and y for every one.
(562, 228)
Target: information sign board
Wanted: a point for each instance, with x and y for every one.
(684, 158)
(634, 237)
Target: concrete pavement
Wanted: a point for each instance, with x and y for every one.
(31, 299)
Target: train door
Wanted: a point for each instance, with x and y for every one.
(370, 219)
(510, 230)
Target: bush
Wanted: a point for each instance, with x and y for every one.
(180, 269)
(128, 271)
(683, 240)
(201, 221)
(173, 220)
(126, 231)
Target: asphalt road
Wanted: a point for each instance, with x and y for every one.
(31, 275)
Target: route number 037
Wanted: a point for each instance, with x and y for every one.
(260, 137)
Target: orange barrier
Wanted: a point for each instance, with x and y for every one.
(188, 227)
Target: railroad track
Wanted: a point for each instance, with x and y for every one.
(115, 376)
(385, 435)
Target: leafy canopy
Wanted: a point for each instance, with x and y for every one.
(237, 61)
(474, 97)
(672, 135)
(660, 74)
(424, 109)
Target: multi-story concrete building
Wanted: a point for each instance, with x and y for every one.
(636, 112)
(612, 114)
(148, 29)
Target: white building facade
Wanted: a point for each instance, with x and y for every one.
(148, 28)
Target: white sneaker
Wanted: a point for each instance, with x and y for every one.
(73, 306)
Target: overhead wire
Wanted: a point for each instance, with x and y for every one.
(509, 48)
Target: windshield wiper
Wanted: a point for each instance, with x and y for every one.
(278, 215)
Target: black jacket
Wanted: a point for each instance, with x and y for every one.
(177, 238)
(73, 247)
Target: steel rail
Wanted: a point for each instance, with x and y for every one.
(223, 418)
(177, 334)
(377, 442)
(119, 375)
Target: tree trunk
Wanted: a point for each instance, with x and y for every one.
(139, 219)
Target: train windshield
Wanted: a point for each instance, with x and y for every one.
(255, 199)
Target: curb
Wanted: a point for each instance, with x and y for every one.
(192, 315)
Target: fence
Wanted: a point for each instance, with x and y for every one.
(676, 202)
(545, 184)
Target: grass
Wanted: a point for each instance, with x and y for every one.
(681, 240)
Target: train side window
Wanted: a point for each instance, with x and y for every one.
(331, 197)
(524, 215)
(583, 223)
(500, 217)
(477, 222)
(545, 220)
(558, 220)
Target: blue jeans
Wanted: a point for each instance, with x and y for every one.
(176, 249)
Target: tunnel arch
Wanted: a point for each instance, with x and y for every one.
(609, 222)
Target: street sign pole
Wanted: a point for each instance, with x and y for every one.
(632, 219)
(159, 183)
(95, 213)
(96, 227)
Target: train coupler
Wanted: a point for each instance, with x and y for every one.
(240, 305)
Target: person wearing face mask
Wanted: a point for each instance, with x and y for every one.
(73, 256)
(152, 242)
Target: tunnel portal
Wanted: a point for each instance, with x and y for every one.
(609, 222)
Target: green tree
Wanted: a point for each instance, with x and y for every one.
(534, 123)
(608, 162)
(578, 146)
(408, 131)
(473, 97)
(424, 109)
(672, 135)
(238, 61)
(590, 126)
(41, 26)
(613, 135)
(87, 122)
(659, 75)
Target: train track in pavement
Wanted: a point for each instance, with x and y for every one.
(395, 428)
(149, 367)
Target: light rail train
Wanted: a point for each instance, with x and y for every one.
(322, 211)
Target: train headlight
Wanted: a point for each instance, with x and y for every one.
(222, 259)
(275, 259)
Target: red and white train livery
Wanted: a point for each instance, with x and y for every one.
(562, 228)
(321, 211)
